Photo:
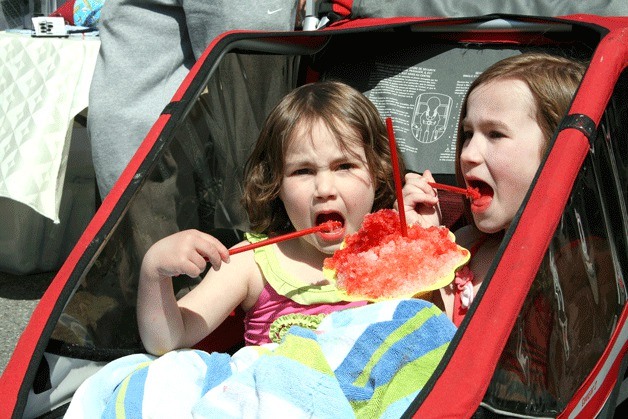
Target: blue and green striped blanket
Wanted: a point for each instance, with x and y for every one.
(363, 362)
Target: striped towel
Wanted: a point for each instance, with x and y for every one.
(363, 362)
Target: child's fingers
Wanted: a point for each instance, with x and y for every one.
(417, 196)
(420, 200)
(427, 175)
(213, 251)
(420, 182)
(417, 191)
(193, 268)
(195, 249)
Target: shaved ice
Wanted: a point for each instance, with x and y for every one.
(378, 262)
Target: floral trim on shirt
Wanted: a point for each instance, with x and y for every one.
(281, 325)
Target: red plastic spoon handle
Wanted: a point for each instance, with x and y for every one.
(470, 192)
(326, 226)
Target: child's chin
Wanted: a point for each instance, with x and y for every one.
(488, 227)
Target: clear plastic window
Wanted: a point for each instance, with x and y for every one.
(579, 291)
(194, 183)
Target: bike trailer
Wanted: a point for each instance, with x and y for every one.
(547, 334)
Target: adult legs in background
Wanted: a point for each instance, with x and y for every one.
(146, 52)
(147, 48)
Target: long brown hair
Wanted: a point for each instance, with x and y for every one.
(347, 113)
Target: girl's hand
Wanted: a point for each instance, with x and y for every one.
(420, 200)
(184, 253)
(166, 323)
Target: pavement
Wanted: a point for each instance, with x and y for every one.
(33, 235)
(19, 294)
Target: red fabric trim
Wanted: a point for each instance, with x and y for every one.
(598, 386)
(309, 41)
(14, 374)
(515, 38)
(515, 264)
(523, 255)
(608, 22)
(194, 70)
(131, 169)
(378, 21)
(342, 7)
(602, 75)
(508, 286)
(197, 66)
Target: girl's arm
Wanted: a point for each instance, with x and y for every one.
(165, 323)
(420, 200)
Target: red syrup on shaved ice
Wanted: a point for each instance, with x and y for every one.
(378, 262)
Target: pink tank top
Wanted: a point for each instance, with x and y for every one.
(273, 314)
(285, 301)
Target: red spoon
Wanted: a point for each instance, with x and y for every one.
(327, 226)
(469, 192)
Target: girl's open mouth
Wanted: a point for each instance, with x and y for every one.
(482, 203)
(335, 234)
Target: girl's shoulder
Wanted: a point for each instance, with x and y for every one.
(246, 257)
(243, 268)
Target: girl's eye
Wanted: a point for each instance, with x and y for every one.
(301, 171)
(496, 134)
(467, 135)
(346, 166)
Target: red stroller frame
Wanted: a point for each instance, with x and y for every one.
(581, 191)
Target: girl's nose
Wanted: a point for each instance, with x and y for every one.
(325, 184)
(471, 150)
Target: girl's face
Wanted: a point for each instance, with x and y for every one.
(322, 182)
(501, 151)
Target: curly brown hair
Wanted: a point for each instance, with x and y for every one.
(348, 114)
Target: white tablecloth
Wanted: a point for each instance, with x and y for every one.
(44, 84)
